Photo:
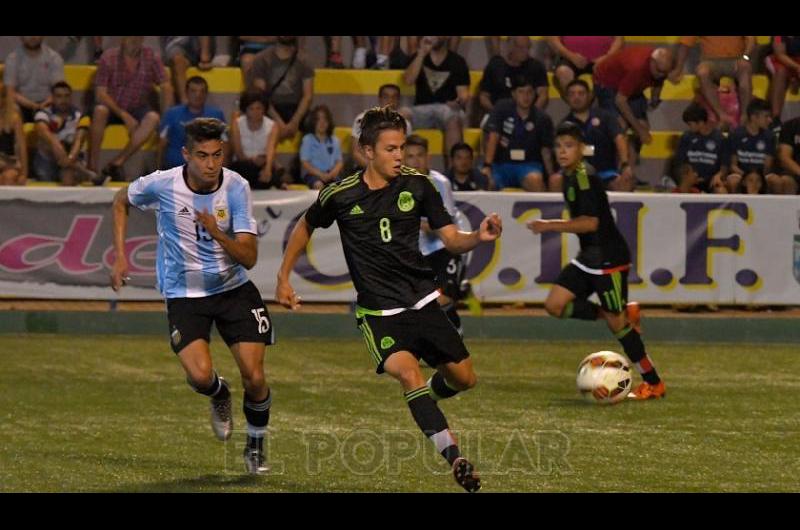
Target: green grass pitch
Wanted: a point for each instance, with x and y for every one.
(114, 414)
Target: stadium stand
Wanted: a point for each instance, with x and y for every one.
(348, 92)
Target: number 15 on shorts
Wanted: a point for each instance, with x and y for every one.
(263, 321)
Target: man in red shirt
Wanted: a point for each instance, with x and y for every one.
(126, 77)
(620, 81)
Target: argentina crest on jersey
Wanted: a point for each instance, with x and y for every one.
(222, 214)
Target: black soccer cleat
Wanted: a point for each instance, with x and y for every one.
(465, 475)
(254, 462)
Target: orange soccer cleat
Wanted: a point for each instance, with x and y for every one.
(648, 391)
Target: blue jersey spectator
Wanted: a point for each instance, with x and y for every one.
(704, 147)
(752, 150)
(519, 148)
(173, 135)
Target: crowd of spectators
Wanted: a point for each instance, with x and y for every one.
(733, 142)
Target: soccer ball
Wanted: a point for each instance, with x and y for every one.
(604, 377)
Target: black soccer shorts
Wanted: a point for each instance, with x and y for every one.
(426, 333)
(449, 269)
(612, 288)
(240, 316)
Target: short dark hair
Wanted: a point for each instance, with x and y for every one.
(569, 128)
(204, 129)
(313, 118)
(520, 80)
(377, 120)
(695, 112)
(60, 84)
(388, 86)
(757, 105)
(461, 146)
(418, 141)
(197, 80)
(578, 82)
(249, 97)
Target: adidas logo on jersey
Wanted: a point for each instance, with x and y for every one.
(184, 212)
(356, 210)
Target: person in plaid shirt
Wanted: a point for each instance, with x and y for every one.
(126, 77)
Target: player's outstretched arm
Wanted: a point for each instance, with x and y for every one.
(119, 271)
(459, 242)
(580, 225)
(284, 292)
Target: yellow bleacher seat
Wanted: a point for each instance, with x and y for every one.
(115, 138)
(663, 145)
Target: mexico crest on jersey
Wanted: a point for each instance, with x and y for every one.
(405, 201)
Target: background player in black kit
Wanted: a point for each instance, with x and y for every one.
(378, 212)
(602, 264)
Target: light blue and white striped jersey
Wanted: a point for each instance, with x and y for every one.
(189, 262)
(430, 243)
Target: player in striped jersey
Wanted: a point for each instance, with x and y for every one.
(207, 238)
(602, 264)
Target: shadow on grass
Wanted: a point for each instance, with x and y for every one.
(207, 483)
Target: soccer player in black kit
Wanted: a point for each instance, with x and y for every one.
(601, 266)
(378, 212)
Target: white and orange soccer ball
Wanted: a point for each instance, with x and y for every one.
(604, 377)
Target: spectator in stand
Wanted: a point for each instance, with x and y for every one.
(519, 151)
(442, 83)
(320, 152)
(789, 158)
(30, 70)
(784, 67)
(704, 147)
(602, 136)
(619, 84)
(254, 138)
(688, 178)
(13, 151)
(752, 151)
(61, 131)
(288, 80)
(579, 55)
(496, 81)
(249, 47)
(462, 175)
(172, 133)
(182, 52)
(390, 53)
(126, 77)
(334, 45)
(388, 95)
(719, 56)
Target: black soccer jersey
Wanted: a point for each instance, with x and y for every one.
(380, 235)
(585, 195)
